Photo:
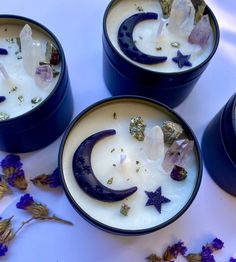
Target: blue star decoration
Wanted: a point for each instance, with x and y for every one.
(156, 199)
(182, 60)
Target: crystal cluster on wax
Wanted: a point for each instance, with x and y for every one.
(29, 68)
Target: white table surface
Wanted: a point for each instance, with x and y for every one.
(78, 25)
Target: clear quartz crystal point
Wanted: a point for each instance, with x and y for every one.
(182, 16)
(154, 143)
(31, 50)
(177, 154)
(201, 32)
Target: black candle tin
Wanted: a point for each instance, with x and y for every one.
(123, 77)
(65, 176)
(40, 126)
(219, 147)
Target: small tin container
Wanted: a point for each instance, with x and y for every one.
(83, 126)
(123, 77)
(43, 124)
(218, 147)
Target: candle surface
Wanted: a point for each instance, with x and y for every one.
(120, 161)
(145, 36)
(22, 92)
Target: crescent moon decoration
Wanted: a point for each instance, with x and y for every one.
(85, 176)
(126, 42)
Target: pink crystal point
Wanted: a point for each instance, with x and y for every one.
(177, 154)
(201, 32)
(43, 75)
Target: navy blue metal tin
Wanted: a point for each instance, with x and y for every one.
(125, 78)
(219, 147)
(40, 126)
(159, 106)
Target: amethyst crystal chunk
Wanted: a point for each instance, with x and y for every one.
(177, 154)
(201, 32)
(43, 75)
(178, 173)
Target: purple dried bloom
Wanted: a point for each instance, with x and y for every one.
(180, 248)
(208, 259)
(52, 180)
(3, 250)
(217, 244)
(19, 174)
(232, 259)
(2, 99)
(206, 254)
(173, 251)
(11, 161)
(25, 201)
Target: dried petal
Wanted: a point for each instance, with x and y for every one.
(201, 32)
(52, 180)
(38, 211)
(17, 180)
(172, 131)
(178, 173)
(232, 259)
(193, 258)
(168, 255)
(7, 235)
(4, 224)
(11, 161)
(4, 116)
(52, 55)
(4, 189)
(217, 244)
(3, 250)
(137, 128)
(154, 258)
(25, 201)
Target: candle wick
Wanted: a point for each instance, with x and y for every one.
(122, 158)
(161, 26)
(4, 72)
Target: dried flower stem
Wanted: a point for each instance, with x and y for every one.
(23, 223)
(55, 218)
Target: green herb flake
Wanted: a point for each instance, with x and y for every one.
(19, 57)
(137, 169)
(140, 37)
(137, 128)
(14, 88)
(114, 165)
(21, 98)
(137, 162)
(36, 100)
(4, 116)
(114, 115)
(159, 48)
(110, 181)
(175, 44)
(121, 150)
(124, 210)
(140, 8)
(113, 149)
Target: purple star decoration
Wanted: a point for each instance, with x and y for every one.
(182, 60)
(156, 199)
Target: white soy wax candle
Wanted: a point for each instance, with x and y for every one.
(147, 40)
(120, 162)
(20, 87)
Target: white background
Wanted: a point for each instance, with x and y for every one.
(78, 25)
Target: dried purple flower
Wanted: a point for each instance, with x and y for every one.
(38, 211)
(154, 258)
(52, 180)
(232, 259)
(4, 224)
(11, 161)
(217, 244)
(4, 189)
(25, 201)
(206, 254)
(17, 179)
(2, 99)
(3, 250)
(174, 250)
